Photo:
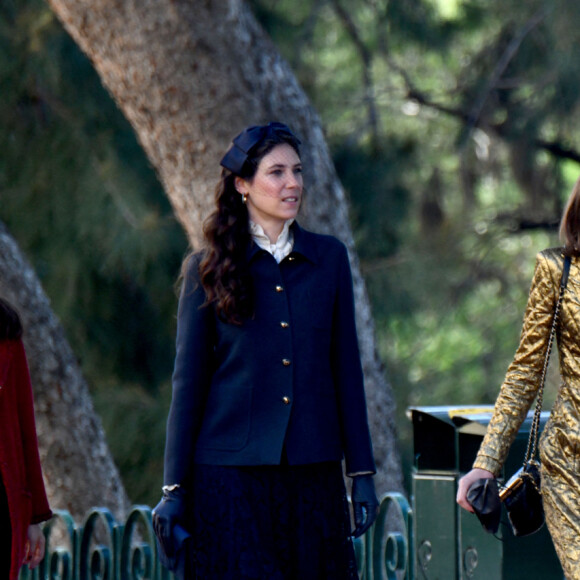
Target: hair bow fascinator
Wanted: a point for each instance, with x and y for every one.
(483, 495)
(243, 145)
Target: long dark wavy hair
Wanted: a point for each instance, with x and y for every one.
(10, 325)
(570, 224)
(223, 268)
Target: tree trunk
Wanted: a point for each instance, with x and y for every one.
(78, 469)
(190, 74)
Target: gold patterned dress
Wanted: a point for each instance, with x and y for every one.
(560, 440)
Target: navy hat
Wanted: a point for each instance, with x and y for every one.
(242, 145)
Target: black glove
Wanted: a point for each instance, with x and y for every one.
(365, 503)
(483, 495)
(166, 516)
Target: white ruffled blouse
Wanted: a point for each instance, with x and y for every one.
(283, 245)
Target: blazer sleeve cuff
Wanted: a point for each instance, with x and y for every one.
(487, 463)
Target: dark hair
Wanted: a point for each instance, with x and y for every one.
(570, 224)
(10, 325)
(223, 269)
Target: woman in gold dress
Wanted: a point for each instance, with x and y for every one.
(560, 440)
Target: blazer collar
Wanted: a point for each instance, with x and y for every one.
(304, 243)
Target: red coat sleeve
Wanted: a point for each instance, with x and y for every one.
(34, 481)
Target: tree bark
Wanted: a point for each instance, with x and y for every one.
(189, 75)
(79, 471)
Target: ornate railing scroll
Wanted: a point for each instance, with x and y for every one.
(385, 552)
(98, 543)
(100, 548)
(61, 556)
(103, 549)
(138, 550)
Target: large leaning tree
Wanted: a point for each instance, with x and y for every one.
(188, 75)
(78, 468)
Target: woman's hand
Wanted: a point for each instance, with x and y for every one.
(35, 545)
(465, 483)
(166, 515)
(365, 503)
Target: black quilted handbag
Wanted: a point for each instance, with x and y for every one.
(522, 498)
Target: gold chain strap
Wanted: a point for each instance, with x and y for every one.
(534, 431)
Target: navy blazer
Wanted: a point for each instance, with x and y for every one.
(290, 377)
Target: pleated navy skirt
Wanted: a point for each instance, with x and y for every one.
(269, 523)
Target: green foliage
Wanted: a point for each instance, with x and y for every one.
(81, 199)
(134, 421)
(453, 128)
(379, 202)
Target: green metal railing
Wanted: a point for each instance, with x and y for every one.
(386, 551)
(103, 549)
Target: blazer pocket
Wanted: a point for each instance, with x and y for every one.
(227, 419)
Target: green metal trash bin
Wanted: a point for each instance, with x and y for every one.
(450, 544)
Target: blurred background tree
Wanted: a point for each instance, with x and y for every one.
(452, 126)
(78, 194)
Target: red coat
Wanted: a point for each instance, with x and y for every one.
(19, 459)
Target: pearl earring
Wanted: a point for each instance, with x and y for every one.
(244, 197)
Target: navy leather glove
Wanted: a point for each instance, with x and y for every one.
(365, 503)
(166, 516)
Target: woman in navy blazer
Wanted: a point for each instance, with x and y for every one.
(268, 393)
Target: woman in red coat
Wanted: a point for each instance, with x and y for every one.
(23, 502)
